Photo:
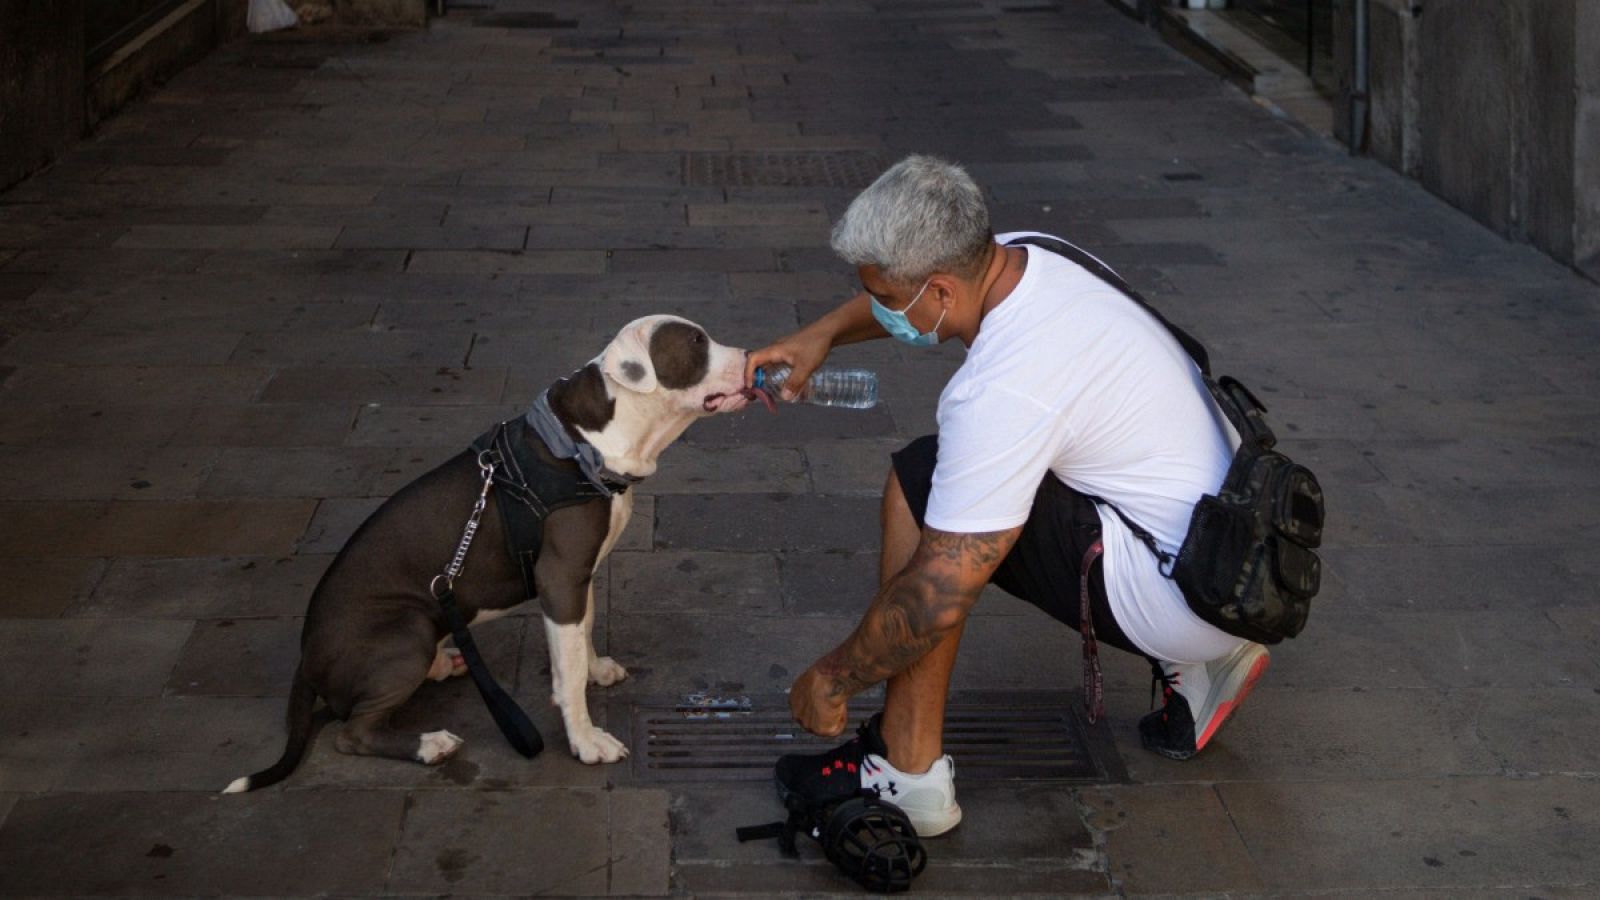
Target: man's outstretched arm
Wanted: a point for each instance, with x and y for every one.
(912, 613)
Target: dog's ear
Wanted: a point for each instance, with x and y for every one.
(627, 359)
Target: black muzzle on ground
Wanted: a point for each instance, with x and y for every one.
(867, 838)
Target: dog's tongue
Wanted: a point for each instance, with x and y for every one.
(713, 401)
(761, 394)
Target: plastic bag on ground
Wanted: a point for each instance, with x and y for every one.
(270, 15)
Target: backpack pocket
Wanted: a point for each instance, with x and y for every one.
(1298, 512)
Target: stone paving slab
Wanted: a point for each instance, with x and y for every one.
(383, 425)
(518, 262)
(110, 385)
(89, 473)
(1422, 834)
(1205, 855)
(696, 582)
(151, 744)
(140, 349)
(165, 844)
(105, 658)
(348, 385)
(237, 658)
(746, 521)
(492, 846)
(138, 528)
(203, 588)
(45, 588)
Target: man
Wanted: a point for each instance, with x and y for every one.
(1072, 401)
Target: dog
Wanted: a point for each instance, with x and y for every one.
(374, 630)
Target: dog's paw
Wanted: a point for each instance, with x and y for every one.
(447, 663)
(437, 746)
(605, 671)
(597, 747)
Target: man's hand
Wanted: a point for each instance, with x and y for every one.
(805, 350)
(802, 352)
(814, 707)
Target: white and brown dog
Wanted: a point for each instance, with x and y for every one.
(374, 631)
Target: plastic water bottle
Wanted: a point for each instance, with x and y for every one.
(828, 386)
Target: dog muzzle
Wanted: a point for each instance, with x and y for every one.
(867, 838)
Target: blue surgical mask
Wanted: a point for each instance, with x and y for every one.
(899, 325)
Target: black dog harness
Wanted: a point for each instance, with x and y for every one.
(530, 489)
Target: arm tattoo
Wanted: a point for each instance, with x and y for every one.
(916, 608)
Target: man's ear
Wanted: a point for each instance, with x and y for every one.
(627, 359)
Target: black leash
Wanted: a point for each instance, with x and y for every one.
(512, 721)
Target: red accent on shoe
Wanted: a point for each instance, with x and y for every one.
(826, 772)
(850, 767)
(1226, 708)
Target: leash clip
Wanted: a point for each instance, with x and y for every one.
(448, 577)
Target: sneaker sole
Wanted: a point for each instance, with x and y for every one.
(926, 824)
(936, 823)
(1241, 681)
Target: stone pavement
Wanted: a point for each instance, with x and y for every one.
(318, 263)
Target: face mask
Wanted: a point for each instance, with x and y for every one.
(899, 326)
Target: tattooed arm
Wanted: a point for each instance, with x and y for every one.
(910, 616)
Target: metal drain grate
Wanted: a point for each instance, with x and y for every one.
(838, 170)
(715, 739)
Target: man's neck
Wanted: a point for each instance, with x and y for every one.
(1000, 276)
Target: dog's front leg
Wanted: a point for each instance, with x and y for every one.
(603, 670)
(569, 670)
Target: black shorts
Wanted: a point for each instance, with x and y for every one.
(1044, 565)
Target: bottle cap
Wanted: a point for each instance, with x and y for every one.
(761, 378)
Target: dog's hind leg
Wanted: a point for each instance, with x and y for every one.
(370, 734)
(385, 687)
(447, 663)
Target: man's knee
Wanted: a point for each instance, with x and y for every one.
(894, 497)
(905, 492)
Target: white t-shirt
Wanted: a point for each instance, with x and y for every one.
(1068, 375)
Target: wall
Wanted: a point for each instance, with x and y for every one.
(179, 40)
(1494, 105)
(1586, 141)
(41, 83)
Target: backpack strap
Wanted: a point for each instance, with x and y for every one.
(1100, 270)
(1197, 352)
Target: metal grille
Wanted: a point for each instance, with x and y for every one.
(838, 170)
(718, 739)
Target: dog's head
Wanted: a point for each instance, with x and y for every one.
(675, 363)
(657, 376)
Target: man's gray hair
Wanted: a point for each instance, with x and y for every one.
(923, 215)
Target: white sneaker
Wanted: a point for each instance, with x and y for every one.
(928, 800)
(832, 776)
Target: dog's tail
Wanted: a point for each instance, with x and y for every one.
(302, 698)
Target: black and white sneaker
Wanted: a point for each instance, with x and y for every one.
(1198, 698)
(928, 799)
